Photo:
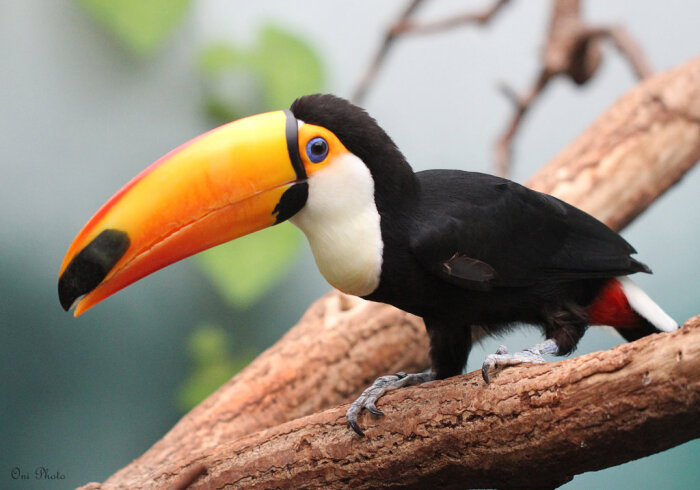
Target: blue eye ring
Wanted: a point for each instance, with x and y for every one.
(317, 149)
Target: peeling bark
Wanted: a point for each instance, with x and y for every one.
(633, 153)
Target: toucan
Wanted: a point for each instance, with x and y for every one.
(459, 249)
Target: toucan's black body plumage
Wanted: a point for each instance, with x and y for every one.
(465, 248)
(480, 250)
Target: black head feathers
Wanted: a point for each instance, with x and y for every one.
(361, 135)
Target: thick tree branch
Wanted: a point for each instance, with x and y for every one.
(634, 152)
(335, 350)
(535, 426)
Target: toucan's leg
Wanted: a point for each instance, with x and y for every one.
(449, 348)
(369, 397)
(563, 328)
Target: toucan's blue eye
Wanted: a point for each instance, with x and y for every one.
(317, 149)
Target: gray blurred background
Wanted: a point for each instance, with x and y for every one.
(81, 112)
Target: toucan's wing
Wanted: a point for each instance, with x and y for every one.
(480, 231)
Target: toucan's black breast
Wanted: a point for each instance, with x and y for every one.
(479, 232)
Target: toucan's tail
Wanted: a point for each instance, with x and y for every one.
(623, 305)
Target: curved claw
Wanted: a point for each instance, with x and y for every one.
(381, 385)
(491, 361)
(354, 426)
(374, 410)
(354, 411)
(368, 400)
(485, 372)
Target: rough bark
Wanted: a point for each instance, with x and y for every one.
(534, 426)
(633, 153)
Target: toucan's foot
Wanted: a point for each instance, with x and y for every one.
(533, 355)
(369, 397)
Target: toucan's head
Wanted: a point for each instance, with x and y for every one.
(317, 162)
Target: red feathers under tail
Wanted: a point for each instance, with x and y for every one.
(623, 305)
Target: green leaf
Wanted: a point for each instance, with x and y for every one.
(140, 25)
(290, 67)
(244, 269)
(218, 57)
(269, 76)
(213, 364)
(233, 88)
(208, 344)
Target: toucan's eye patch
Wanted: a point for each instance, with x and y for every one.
(317, 149)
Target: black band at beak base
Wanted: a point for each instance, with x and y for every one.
(292, 133)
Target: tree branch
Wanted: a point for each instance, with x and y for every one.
(457, 20)
(378, 60)
(403, 25)
(634, 152)
(535, 426)
(571, 50)
(626, 46)
(504, 143)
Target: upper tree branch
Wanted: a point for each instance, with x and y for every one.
(404, 25)
(378, 60)
(634, 152)
(408, 26)
(571, 50)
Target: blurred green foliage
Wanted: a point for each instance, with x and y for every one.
(139, 25)
(213, 364)
(244, 269)
(269, 76)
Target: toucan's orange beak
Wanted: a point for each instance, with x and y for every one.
(231, 181)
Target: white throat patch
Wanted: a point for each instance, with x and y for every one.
(341, 222)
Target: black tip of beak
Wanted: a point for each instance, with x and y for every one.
(87, 269)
